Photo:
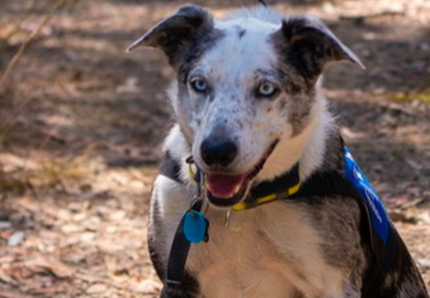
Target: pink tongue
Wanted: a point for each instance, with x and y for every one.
(223, 186)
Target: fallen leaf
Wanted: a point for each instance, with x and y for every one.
(5, 225)
(399, 216)
(51, 265)
(425, 263)
(424, 217)
(97, 288)
(147, 286)
(5, 294)
(6, 278)
(19, 272)
(16, 239)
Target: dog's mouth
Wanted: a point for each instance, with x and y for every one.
(226, 190)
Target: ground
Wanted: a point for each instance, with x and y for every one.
(81, 123)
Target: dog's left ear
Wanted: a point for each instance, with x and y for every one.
(173, 33)
(310, 45)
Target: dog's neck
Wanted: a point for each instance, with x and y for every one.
(308, 148)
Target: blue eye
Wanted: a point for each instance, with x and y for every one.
(199, 85)
(267, 89)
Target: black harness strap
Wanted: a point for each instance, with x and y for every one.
(178, 254)
(170, 168)
(279, 185)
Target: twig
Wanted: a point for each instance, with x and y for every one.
(18, 26)
(23, 46)
(7, 294)
(361, 18)
(59, 5)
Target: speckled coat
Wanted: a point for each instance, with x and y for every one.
(313, 247)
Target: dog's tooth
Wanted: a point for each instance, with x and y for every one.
(237, 189)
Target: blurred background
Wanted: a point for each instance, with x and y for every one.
(81, 123)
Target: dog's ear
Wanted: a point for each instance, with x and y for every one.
(173, 33)
(310, 45)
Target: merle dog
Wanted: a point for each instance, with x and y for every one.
(256, 155)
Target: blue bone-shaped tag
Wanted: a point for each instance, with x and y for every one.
(195, 226)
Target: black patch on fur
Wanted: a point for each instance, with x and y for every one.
(334, 152)
(348, 240)
(262, 2)
(192, 54)
(241, 33)
(282, 103)
(153, 230)
(190, 286)
(300, 110)
(292, 82)
(307, 45)
(177, 33)
(188, 289)
(405, 279)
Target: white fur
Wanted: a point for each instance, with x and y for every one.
(257, 12)
(230, 66)
(308, 148)
(256, 256)
(231, 76)
(173, 201)
(263, 252)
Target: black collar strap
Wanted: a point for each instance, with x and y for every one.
(278, 189)
(268, 191)
(288, 187)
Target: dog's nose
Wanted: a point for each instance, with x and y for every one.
(218, 151)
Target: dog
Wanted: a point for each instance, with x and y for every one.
(257, 194)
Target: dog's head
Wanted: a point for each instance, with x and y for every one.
(243, 85)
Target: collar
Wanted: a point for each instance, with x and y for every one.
(265, 192)
(280, 188)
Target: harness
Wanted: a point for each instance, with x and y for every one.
(377, 231)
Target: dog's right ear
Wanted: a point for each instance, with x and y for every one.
(174, 33)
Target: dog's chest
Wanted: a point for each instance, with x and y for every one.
(260, 253)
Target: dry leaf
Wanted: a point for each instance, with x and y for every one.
(97, 288)
(16, 238)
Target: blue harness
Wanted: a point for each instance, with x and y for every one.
(378, 216)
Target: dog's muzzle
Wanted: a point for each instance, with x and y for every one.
(225, 188)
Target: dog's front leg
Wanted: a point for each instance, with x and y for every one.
(169, 202)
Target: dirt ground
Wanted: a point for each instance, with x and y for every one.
(81, 124)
